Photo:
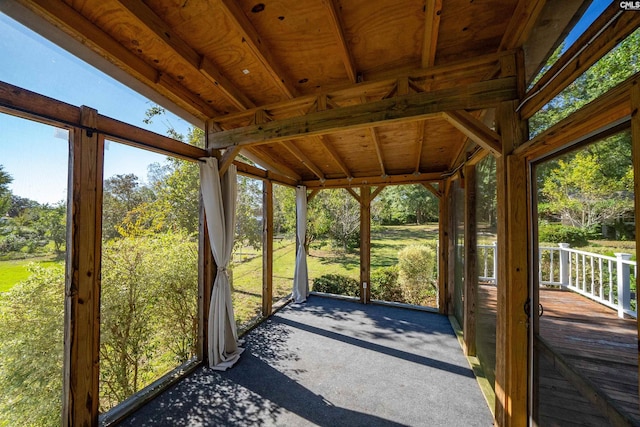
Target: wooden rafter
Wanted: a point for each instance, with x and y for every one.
(375, 180)
(605, 33)
(77, 26)
(376, 144)
(264, 160)
(335, 156)
(521, 24)
(227, 159)
(304, 159)
(262, 174)
(431, 27)
(395, 110)
(475, 130)
(338, 28)
(251, 37)
(147, 17)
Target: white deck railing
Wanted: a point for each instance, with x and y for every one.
(602, 278)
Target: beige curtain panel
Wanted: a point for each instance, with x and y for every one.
(301, 277)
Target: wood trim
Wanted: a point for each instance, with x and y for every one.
(375, 180)
(267, 248)
(475, 130)
(365, 244)
(431, 28)
(82, 294)
(603, 35)
(470, 261)
(257, 46)
(376, 144)
(387, 111)
(338, 28)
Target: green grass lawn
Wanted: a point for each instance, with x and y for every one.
(12, 272)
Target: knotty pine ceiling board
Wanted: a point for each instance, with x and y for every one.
(382, 34)
(283, 156)
(470, 28)
(357, 150)
(300, 36)
(207, 29)
(443, 142)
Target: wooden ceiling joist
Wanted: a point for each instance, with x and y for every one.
(607, 31)
(338, 27)
(475, 130)
(394, 110)
(304, 159)
(335, 156)
(264, 160)
(419, 145)
(375, 180)
(431, 27)
(77, 26)
(251, 37)
(147, 17)
(262, 174)
(378, 147)
(522, 23)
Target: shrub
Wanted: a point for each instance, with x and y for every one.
(385, 286)
(557, 233)
(416, 265)
(337, 284)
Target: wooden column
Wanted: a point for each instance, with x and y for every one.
(443, 247)
(635, 143)
(451, 247)
(267, 247)
(513, 270)
(365, 244)
(82, 293)
(470, 261)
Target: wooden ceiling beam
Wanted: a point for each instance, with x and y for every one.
(264, 160)
(255, 44)
(354, 194)
(335, 156)
(338, 29)
(304, 159)
(387, 111)
(431, 28)
(475, 130)
(77, 26)
(604, 34)
(429, 186)
(263, 174)
(376, 144)
(375, 180)
(522, 22)
(227, 159)
(148, 18)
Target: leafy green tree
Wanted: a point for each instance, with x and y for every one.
(284, 210)
(486, 195)
(5, 191)
(31, 345)
(336, 214)
(248, 213)
(405, 204)
(121, 195)
(54, 220)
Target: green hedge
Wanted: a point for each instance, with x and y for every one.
(557, 233)
(337, 284)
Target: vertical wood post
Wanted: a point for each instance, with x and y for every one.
(470, 261)
(451, 247)
(635, 143)
(82, 293)
(443, 248)
(267, 247)
(513, 255)
(365, 244)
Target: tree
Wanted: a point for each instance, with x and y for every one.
(121, 195)
(336, 214)
(486, 202)
(54, 220)
(404, 204)
(5, 192)
(249, 213)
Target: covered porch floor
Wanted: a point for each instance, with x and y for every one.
(331, 362)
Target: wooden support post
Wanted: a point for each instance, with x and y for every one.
(451, 246)
(82, 293)
(470, 261)
(635, 143)
(513, 274)
(365, 244)
(267, 248)
(443, 248)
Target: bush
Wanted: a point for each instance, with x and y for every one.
(557, 233)
(416, 265)
(385, 286)
(337, 284)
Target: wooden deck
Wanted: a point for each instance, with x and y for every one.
(587, 360)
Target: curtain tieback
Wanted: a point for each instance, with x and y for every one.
(223, 270)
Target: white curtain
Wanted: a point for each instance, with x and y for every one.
(219, 198)
(301, 278)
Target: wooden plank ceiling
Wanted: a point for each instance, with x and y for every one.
(329, 92)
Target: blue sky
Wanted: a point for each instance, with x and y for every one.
(36, 155)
